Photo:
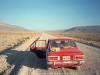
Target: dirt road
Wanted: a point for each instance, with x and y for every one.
(20, 61)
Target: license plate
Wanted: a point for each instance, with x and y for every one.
(66, 57)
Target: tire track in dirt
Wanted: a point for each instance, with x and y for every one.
(92, 64)
(14, 57)
(23, 62)
(41, 65)
(20, 61)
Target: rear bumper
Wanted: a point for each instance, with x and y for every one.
(66, 64)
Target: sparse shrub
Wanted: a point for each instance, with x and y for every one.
(86, 38)
(9, 39)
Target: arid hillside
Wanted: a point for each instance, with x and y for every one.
(8, 27)
(84, 29)
(92, 39)
(79, 29)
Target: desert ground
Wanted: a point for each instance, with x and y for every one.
(17, 59)
(10, 39)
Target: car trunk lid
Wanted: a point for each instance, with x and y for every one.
(66, 55)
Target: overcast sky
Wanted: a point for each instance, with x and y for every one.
(50, 14)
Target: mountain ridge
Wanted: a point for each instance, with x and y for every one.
(8, 27)
(84, 29)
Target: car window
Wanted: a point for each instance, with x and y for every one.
(62, 44)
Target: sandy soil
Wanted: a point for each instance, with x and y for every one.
(10, 39)
(20, 61)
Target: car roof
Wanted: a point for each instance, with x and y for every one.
(61, 38)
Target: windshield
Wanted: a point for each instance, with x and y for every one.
(62, 44)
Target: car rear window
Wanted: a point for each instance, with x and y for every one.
(63, 43)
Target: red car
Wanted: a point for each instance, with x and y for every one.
(63, 52)
(59, 52)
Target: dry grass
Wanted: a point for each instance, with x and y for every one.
(92, 39)
(11, 39)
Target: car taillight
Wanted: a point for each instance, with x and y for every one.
(53, 58)
(79, 57)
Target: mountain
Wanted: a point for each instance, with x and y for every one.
(59, 31)
(84, 29)
(8, 27)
